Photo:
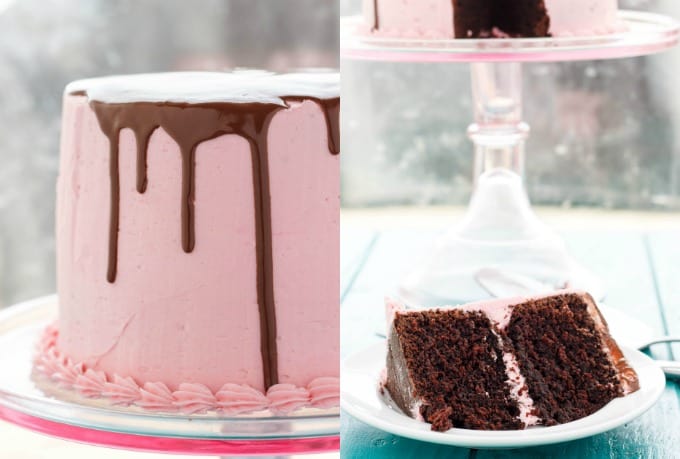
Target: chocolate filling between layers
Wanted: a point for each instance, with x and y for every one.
(189, 125)
(559, 352)
(450, 364)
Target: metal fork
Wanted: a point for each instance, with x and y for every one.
(670, 367)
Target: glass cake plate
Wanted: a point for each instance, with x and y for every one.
(361, 397)
(646, 33)
(72, 417)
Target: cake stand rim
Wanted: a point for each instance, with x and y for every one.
(172, 445)
(632, 43)
(18, 408)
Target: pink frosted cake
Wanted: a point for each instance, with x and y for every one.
(198, 242)
(491, 18)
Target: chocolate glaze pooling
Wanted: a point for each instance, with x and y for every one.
(189, 125)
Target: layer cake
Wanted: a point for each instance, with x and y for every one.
(198, 242)
(433, 19)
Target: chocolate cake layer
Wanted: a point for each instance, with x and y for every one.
(561, 355)
(447, 367)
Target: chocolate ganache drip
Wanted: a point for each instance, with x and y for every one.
(376, 19)
(189, 125)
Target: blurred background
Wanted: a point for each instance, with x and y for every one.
(44, 44)
(604, 134)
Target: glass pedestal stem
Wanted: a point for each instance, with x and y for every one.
(500, 247)
(498, 131)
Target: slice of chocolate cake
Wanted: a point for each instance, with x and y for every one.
(505, 364)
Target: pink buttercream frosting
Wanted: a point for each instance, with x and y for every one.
(122, 391)
(286, 398)
(179, 317)
(324, 392)
(237, 399)
(90, 384)
(189, 398)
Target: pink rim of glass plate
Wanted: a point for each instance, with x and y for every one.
(171, 445)
(661, 34)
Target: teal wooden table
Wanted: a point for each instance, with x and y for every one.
(640, 268)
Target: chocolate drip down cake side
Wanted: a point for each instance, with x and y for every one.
(197, 242)
(504, 364)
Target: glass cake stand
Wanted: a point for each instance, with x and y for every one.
(23, 403)
(500, 234)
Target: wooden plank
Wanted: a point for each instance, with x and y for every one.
(621, 260)
(362, 311)
(360, 440)
(664, 251)
(392, 257)
(355, 244)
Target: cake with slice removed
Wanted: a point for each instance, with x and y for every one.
(436, 19)
(504, 364)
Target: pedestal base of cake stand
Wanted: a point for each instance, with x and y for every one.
(499, 236)
(23, 403)
(500, 230)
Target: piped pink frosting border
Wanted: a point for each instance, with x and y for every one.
(189, 398)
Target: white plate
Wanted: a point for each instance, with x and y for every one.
(361, 398)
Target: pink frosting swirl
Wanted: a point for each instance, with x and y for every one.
(286, 398)
(68, 373)
(194, 398)
(91, 383)
(233, 399)
(324, 392)
(156, 397)
(49, 362)
(122, 391)
(190, 398)
(49, 338)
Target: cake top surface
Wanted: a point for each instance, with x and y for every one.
(498, 310)
(243, 86)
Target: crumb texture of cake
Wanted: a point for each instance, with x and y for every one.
(452, 365)
(505, 364)
(491, 18)
(198, 236)
(561, 354)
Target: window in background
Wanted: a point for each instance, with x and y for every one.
(603, 133)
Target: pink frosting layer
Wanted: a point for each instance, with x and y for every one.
(434, 18)
(177, 317)
(583, 17)
(189, 398)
